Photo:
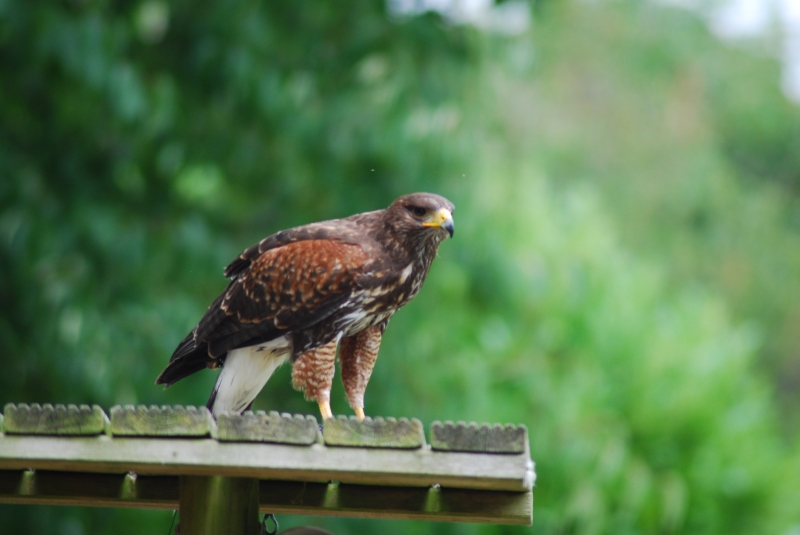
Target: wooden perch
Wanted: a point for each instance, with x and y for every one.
(379, 468)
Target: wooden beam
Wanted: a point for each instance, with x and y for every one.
(399, 503)
(279, 497)
(78, 488)
(316, 463)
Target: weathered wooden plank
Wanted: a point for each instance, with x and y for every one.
(268, 427)
(153, 421)
(213, 505)
(166, 456)
(479, 439)
(374, 433)
(280, 497)
(47, 419)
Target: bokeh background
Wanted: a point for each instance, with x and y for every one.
(624, 278)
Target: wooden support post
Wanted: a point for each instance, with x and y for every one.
(214, 505)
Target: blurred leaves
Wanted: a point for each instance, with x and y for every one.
(622, 280)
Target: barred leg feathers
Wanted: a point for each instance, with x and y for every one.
(358, 355)
(312, 373)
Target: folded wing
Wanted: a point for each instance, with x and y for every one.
(284, 289)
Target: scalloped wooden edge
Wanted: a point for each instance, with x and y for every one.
(161, 421)
(375, 432)
(478, 438)
(272, 427)
(191, 421)
(49, 419)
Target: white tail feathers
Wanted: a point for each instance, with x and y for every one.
(244, 374)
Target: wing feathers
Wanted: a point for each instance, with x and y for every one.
(186, 360)
(284, 289)
(349, 230)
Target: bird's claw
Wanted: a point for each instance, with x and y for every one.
(325, 410)
(359, 413)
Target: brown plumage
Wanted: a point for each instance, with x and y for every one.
(302, 292)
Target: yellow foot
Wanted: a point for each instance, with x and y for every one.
(325, 410)
(359, 413)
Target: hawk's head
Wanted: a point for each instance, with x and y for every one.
(422, 217)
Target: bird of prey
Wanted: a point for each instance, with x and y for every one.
(301, 293)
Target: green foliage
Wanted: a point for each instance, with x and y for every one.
(621, 279)
(689, 143)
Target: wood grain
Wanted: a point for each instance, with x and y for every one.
(479, 439)
(374, 433)
(268, 427)
(153, 421)
(48, 419)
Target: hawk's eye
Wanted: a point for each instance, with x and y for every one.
(418, 211)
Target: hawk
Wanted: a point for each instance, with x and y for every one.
(301, 293)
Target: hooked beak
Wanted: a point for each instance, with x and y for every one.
(442, 218)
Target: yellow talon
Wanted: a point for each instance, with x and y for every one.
(359, 413)
(325, 410)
